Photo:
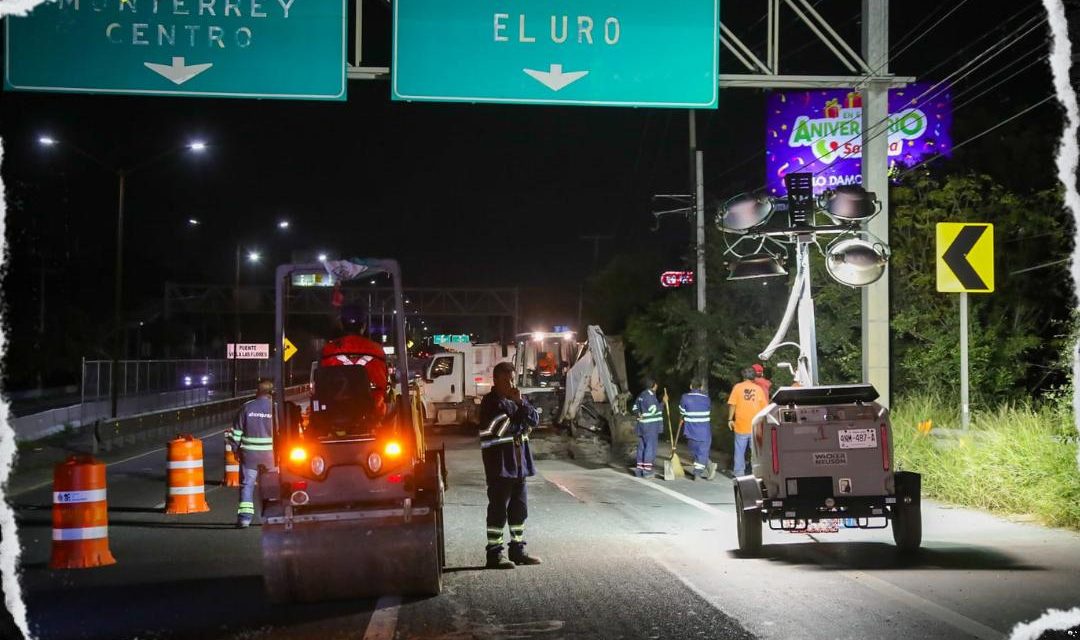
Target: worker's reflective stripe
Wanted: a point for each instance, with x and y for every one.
(695, 416)
(185, 491)
(517, 533)
(362, 360)
(259, 439)
(231, 468)
(484, 444)
(698, 465)
(246, 508)
(647, 419)
(74, 497)
(82, 533)
(184, 464)
(238, 432)
(494, 536)
(257, 447)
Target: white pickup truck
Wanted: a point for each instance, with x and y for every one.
(454, 382)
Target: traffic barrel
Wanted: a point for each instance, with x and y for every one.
(232, 467)
(80, 530)
(185, 465)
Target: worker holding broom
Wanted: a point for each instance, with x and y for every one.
(649, 422)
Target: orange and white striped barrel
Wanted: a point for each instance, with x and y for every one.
(185, 469)
(232, 467)
(80, 516)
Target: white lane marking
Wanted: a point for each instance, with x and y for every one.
(948, 616)
(159, 506)
(674, 494)
(383, 622)
(109, 464)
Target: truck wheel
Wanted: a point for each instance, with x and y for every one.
(749, 524)
(907, 527)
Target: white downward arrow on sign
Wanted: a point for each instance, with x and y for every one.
(178, 72)
(555, 79)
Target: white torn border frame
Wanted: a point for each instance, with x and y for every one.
(1067, 160)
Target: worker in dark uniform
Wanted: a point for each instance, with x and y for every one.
(506, 418)
(650, 419)
(252, 438)
(696, 410)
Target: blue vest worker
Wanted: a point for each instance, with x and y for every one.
(650, 420)
(506, 418)
(252, 438)
(695, 408)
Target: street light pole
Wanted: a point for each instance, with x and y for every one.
(236, 325)
(114, 387)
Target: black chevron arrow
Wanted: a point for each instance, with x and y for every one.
(956, 257)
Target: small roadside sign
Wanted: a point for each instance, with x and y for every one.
(965, 257)
(288, 349)
(258, 351)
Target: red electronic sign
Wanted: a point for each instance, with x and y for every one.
(673, 279)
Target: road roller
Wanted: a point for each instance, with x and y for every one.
(354, 505)
(826, 453)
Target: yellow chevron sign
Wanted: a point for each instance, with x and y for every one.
(288, 349)
(965, 257)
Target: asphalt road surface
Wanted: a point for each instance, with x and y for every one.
(623, 558)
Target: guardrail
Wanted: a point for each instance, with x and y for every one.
(113, 434)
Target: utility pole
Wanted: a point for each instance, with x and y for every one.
(596, 238)
(875, 167)
(698, 242)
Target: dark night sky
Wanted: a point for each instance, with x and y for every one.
(463, 195)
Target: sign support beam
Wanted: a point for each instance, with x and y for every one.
(965, 406)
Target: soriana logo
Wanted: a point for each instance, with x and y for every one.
(820, 132)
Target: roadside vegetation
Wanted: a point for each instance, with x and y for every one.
(1018, 458)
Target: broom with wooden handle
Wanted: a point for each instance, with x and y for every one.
(672, 466)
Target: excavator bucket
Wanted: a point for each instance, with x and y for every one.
(352, 555)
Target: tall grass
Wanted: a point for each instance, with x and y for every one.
(1015, 459)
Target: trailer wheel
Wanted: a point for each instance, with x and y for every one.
(749, 525)
(907, 514)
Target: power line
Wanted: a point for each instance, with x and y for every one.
(1043, 58)
(922, 98)
(981, 134)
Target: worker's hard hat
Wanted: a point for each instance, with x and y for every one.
(758, 368)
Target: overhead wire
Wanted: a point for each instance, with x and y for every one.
(975, 137)
(938, 88)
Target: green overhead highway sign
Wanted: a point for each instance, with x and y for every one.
(211, 48)
(631, 53)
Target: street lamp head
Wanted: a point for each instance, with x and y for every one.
(322, 257)
(193, 222)
(284, 224)
(253, 256)
(198, 146)
(47, 141)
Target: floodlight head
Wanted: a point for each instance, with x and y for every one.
(857, 261)
(850, 203)
(744, 212)
(759, 265)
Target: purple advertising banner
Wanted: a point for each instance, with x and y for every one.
(820, 132)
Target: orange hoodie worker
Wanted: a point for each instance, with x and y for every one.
(744, 402)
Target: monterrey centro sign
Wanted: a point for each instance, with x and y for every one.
(212, 48)
(820, 132)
